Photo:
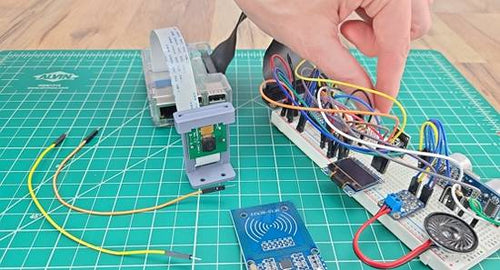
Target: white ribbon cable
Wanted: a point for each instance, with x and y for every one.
(169, 53)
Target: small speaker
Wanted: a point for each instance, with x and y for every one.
(450, 232)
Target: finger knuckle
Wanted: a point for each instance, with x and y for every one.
(421, 28)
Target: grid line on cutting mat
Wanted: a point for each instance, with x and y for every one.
(133, 164)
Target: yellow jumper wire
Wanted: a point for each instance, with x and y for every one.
(421, 142)
(90, 245)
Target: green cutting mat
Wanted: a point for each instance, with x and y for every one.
(133, 164)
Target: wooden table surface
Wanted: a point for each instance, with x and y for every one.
(466, 31)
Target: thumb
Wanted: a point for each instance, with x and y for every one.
(360, 33)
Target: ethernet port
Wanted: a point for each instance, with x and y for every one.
(216, 98)
(167, 112)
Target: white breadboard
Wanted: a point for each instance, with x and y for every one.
(409, 230)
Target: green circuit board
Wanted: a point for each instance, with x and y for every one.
(201, 145)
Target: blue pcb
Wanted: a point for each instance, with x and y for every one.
(402, 204)
(273, 236)
(489, 198)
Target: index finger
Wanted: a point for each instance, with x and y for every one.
(391, 26)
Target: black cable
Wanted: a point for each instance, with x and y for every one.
(367, 99)
(364, 93)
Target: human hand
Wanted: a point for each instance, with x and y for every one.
(311, 29)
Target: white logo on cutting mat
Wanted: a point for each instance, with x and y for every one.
(56, 76)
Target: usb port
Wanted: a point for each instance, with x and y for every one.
(216, 98)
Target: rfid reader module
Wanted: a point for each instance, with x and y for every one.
(273, 236)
